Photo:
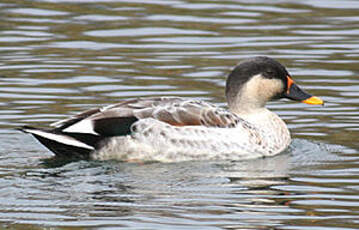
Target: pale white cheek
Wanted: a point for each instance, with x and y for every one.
(269, 88)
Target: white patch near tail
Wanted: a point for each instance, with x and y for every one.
(84, 126)
(60, 138)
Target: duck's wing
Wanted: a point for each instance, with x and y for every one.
(117, 119)
(193, 112)
(122, 109)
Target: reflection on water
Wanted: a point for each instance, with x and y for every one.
(60, 57)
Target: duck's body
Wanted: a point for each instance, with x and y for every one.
(219, 134)
(170, 129)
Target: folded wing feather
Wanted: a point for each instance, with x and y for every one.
(117, 119)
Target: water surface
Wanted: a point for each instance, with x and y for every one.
(61, 57)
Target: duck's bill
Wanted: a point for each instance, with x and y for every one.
(297, 94)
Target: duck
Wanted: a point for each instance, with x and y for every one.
(173, 129)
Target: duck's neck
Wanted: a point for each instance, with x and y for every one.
(245, 103)
(257, 116)
(246, 107)
(253, 110)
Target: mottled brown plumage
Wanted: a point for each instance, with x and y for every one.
(172, 110)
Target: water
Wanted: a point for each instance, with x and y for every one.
(62, 57)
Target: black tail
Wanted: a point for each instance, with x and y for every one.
(66, 145)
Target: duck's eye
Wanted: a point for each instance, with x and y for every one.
(269, 74)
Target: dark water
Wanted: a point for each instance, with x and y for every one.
(61, 57)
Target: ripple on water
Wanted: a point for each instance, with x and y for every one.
(145, 31)
(37, 12)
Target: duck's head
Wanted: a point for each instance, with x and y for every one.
(255, 81)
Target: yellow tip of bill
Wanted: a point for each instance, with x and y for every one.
(314, 101)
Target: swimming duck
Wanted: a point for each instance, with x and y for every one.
(171, 129)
